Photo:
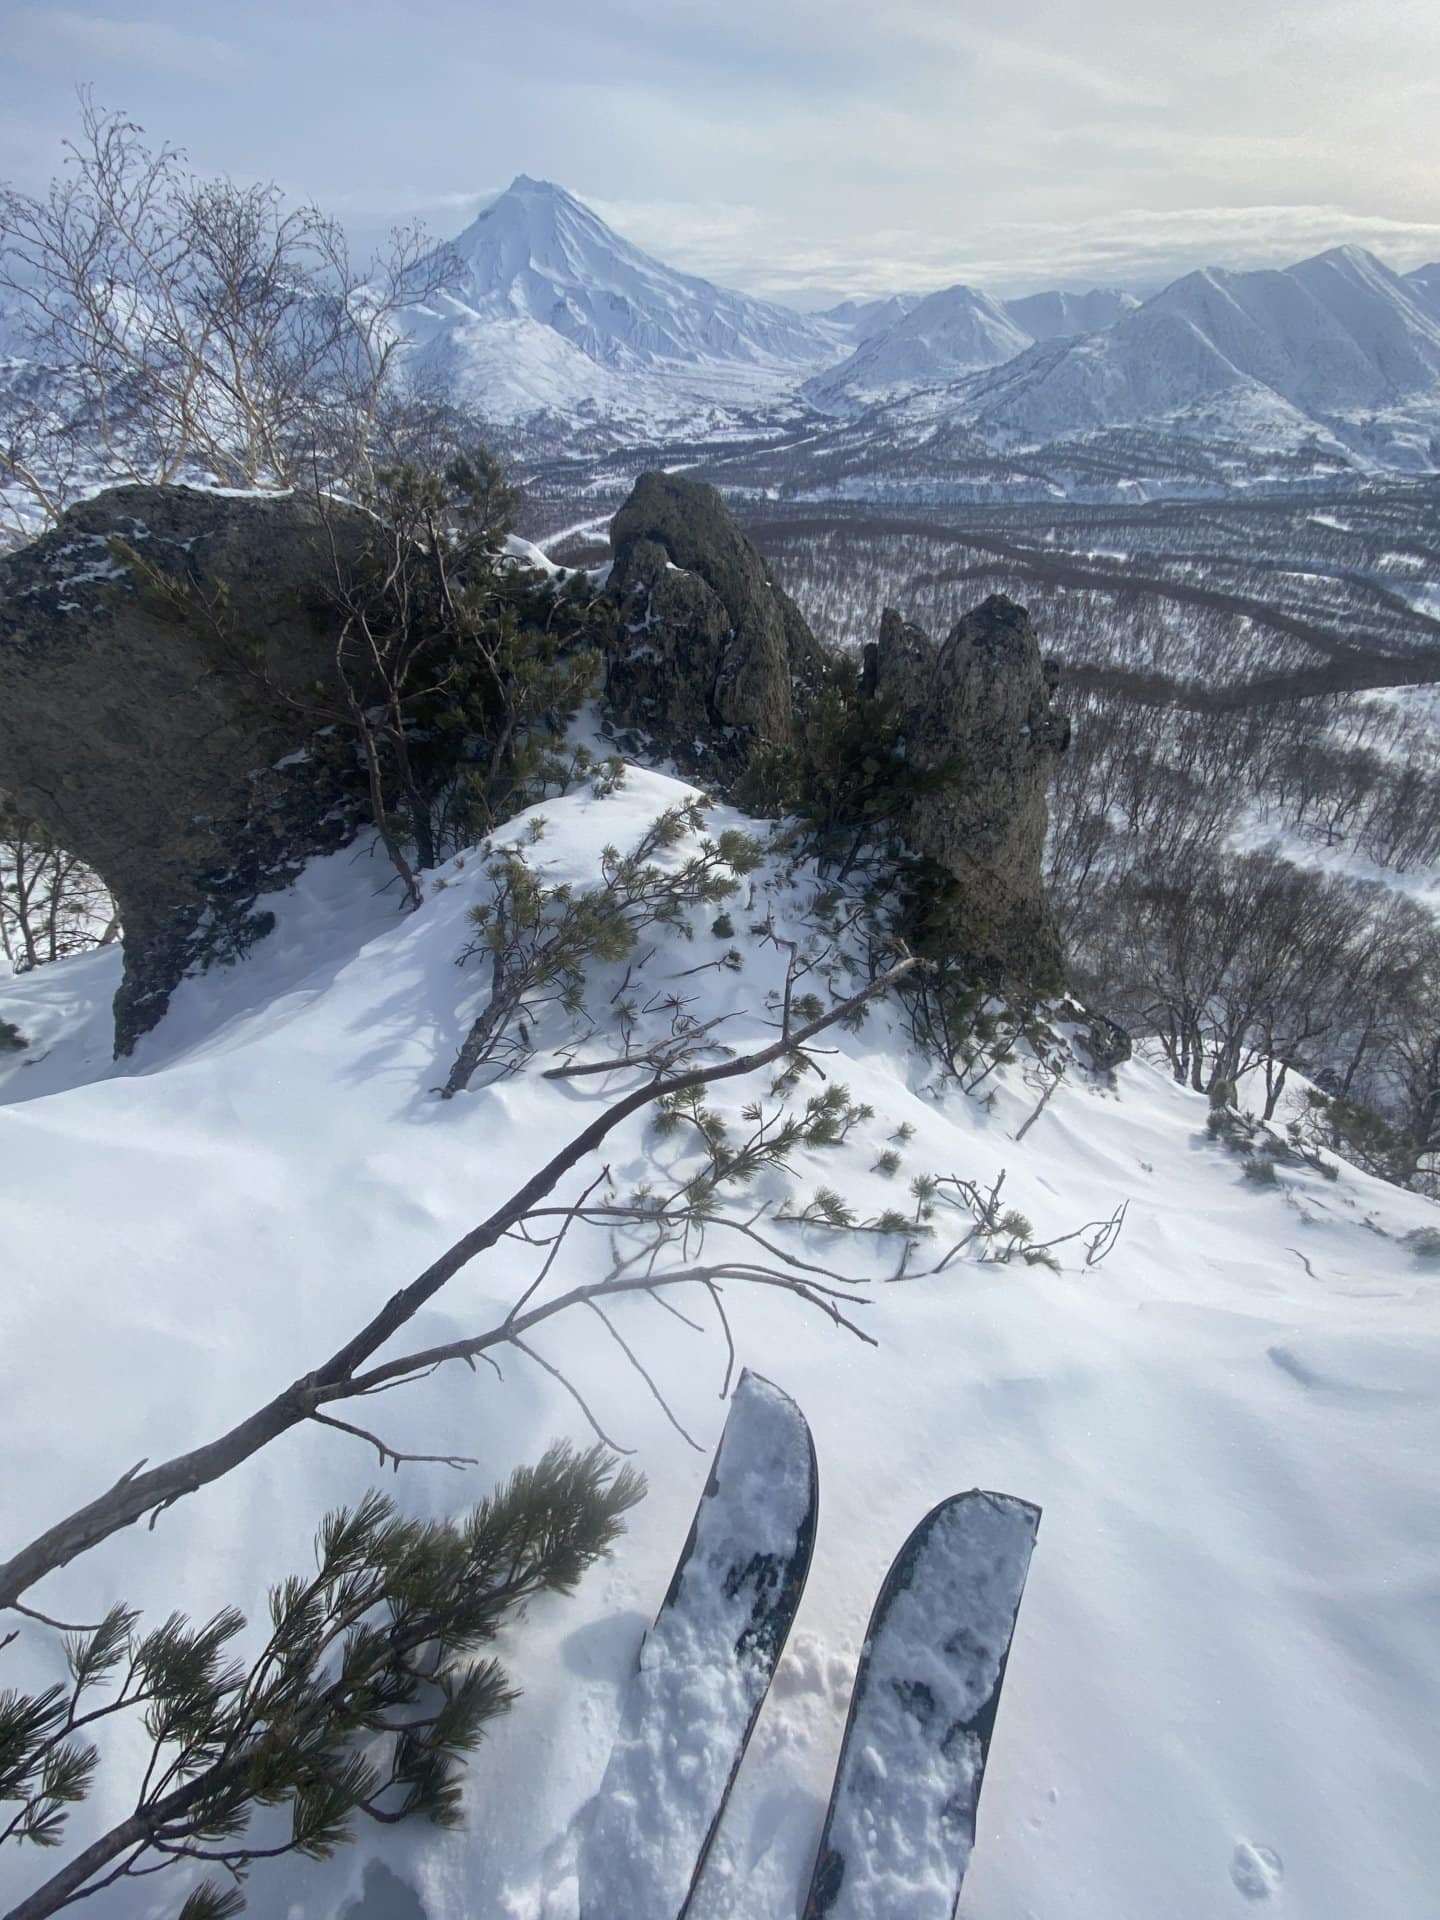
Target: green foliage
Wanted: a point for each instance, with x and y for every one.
(1354, 1131)
(487, 662)
(956, 1021)
(924, 1188)
(364, 1698)
(723, 927)
(827, 1208)
(540, 940)
(848, 780)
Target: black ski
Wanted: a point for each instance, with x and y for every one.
(705, 1665)
(901, 1822)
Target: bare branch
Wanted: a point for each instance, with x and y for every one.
(388, 1454)
(338, 1377)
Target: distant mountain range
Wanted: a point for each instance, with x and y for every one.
(1336, 338)
(957, 331)
(545, 311)
(542, 307)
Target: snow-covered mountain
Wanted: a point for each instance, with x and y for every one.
(953, 332)
(542, 305)
(1058, 316)
(545, 312)
(863, 319)
(1333, 341)
(1424, 283)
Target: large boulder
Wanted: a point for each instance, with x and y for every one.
(710, 653)
(163, 654)
(980, 701)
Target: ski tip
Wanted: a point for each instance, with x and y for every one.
(1025, 1511)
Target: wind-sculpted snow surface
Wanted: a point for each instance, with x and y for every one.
(1228, 1635)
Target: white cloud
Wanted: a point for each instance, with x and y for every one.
(1136, 247)
(85, 41)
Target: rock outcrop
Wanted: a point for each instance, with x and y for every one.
(711, 655)
(164, 737)
(713, 659)
(980, 700)
(167, 661)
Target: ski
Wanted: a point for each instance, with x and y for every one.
(705, 1666)
(901, 1821)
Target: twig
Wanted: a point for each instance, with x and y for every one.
(388, 1453)
(574, 1393)
(634, 1359)
(61, 1626)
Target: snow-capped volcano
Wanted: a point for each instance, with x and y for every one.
(544, 308)
(949, 333)
(538, 254)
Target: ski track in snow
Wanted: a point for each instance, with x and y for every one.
(1229, 1651)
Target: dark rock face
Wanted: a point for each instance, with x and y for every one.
(168, 748)
(714, 660)
(712, 654)
(981, 699)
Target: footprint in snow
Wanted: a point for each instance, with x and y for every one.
(1256, 1871)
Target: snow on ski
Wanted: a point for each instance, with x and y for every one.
(705, 1666)
(901, 1821)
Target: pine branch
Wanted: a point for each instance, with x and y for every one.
(139, 1493)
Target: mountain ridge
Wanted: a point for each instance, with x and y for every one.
(543, 311)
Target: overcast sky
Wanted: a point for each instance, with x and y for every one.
(796, 147)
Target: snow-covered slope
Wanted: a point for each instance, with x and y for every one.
(946, 334)
(863, 319)
(1059, 316)
(538, 285)
(1335, 336)
(1224, 1694)
(1424, 283)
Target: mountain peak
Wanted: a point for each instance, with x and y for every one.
(540, 256)
(525, 183)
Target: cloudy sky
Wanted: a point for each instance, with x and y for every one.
(798, 148)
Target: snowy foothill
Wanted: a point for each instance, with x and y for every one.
(1224, 1689)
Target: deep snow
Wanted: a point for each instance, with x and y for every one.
(1225, 1684)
